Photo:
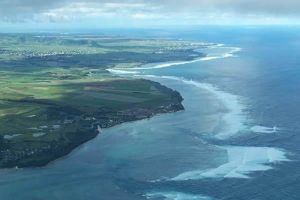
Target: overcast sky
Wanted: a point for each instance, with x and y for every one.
(114, 13)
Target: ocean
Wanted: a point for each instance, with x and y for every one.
(237, 139)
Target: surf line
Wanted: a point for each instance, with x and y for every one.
(234, 118)
(242, 160)
(239, 164)
(134, 70)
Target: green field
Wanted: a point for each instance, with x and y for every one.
(55, 91)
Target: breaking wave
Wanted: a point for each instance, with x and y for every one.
(241, 162)
(175, 196)
(234, 119)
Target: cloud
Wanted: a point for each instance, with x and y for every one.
(188, 10)
(236, 6)
(11, 10)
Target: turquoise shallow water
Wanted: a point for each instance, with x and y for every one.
(237, 139)
(147, 150)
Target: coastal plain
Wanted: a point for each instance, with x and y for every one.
(56, 92)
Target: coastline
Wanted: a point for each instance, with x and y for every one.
(137, 114)
(89, 130)
(204, 57)
(237, 137)
(241, 160)
(29, 156)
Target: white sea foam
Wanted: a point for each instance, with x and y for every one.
(38, 134)
(263, 129)
(122, 71)
(175, 196)
(228, 54)
(241, 162)
(225, 55)
(9, 137)
(169, 64)
(234, 118)
(217, 45)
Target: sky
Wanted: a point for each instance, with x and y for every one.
(145, 13)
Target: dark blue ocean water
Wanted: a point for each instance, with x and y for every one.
(267, 74)
(213, 149)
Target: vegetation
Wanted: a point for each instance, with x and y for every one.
(55, 92)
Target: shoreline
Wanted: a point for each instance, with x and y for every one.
(94, 132)
(159, 65)
(89, 130)
(235, 120)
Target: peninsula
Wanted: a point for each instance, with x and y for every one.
(55, 91)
